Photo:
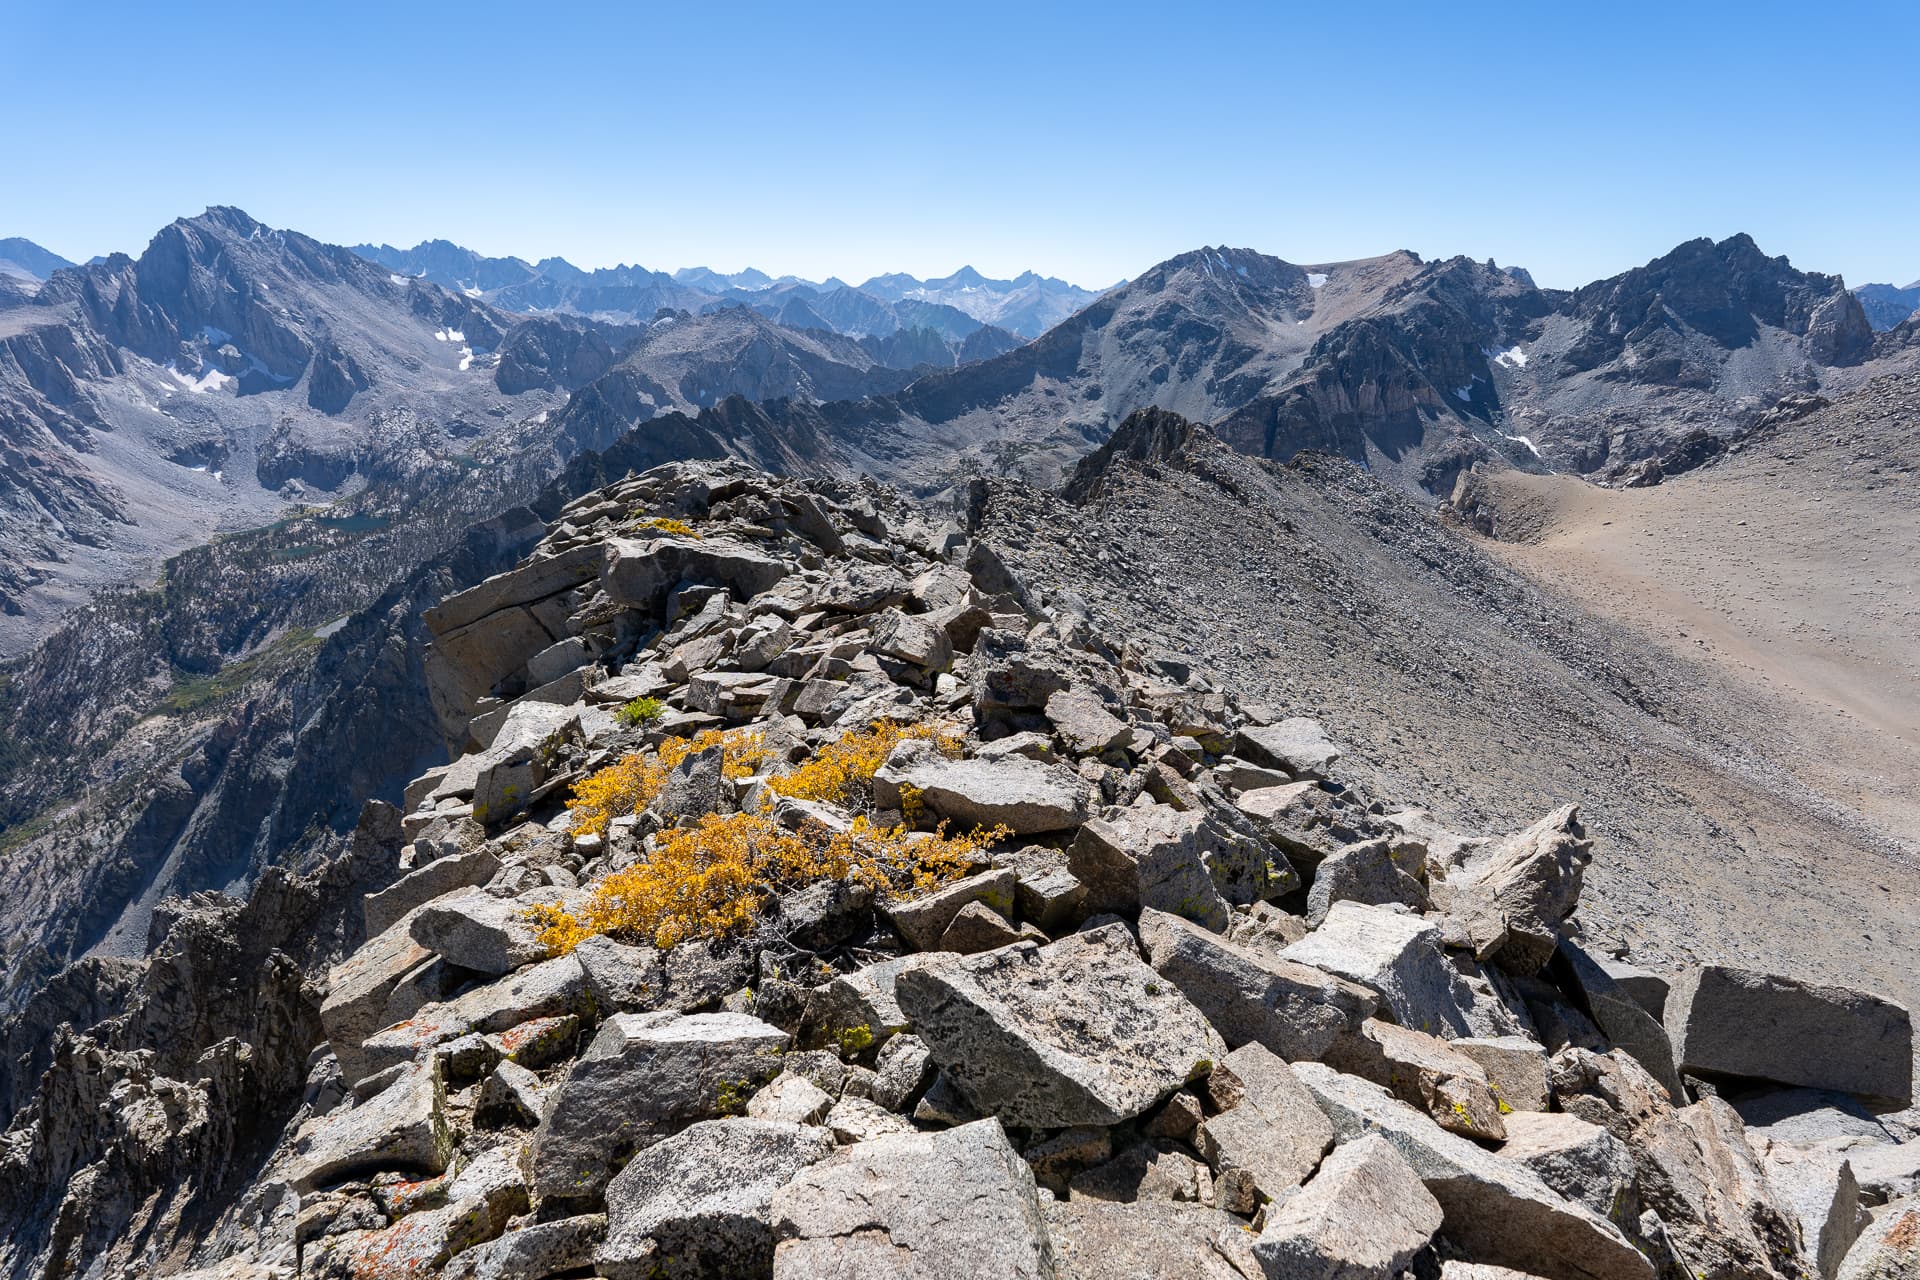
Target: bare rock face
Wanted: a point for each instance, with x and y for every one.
(1077, 1032)
(919, 1206)
(1737, 1022)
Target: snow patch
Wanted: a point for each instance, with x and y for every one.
(211, 380)
(1531, 446)
(540, 417)
(466, 359)
(471, 292)
(449, 335)
(1465, 393)
(216, 336)
(397, 279)
(1513, 358)
(1315, 279)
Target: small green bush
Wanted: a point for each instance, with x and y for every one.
(641, 711)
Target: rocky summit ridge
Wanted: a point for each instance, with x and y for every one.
(815, 891)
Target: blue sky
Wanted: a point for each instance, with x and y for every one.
(1087, 141)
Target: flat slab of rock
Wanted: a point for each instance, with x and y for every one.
(1077, 1032)
(914, 1206)
(1516, 1069)
(1739, 1022)
(423, 885)
(1364, 1214)
(1298, 745)
(1024, 795)
(646, 1076)
(703, 1198)
(404, 1126)
(1494, 1210)
(1084, 723)
(1253, 996)
(357, 992)
(477, 931)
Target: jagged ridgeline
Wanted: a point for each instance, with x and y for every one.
(813, 892)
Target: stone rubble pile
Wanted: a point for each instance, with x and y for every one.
(1205, 1010)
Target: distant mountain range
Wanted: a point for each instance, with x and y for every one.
(23, 259)
(1886, 306)
(954, 307)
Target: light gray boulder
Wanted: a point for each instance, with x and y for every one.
(1023, 795)
(922, 920)
(1298, 745)
(914, 1206)
(441, 876)
(1424, 1071)
(404, 1126)
(1890, 1248)
(1148, 1240)
(1084, 724)
(1816, 1188)
(645, 1077)
(640, 574)
(1738, 1022)
(477, 931)
(1363, 1217)
(1252, 996)
(1270, 1127)
(510, 1095)
(1581, 1161)
(1514, 896)
(1077, 1032)
(534, 1252)
(1365, 873)
(1494, 1209)
(700, 1202)
(791, 1098)
(358, 989)
(1399, 956)
(1152, 856)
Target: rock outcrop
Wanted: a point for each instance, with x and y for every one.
(810, 898)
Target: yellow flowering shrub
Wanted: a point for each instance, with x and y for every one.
(713, 879)
(667, 524)
(630, 784)
(842, 771)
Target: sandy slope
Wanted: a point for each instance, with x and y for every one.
(1793, 568)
